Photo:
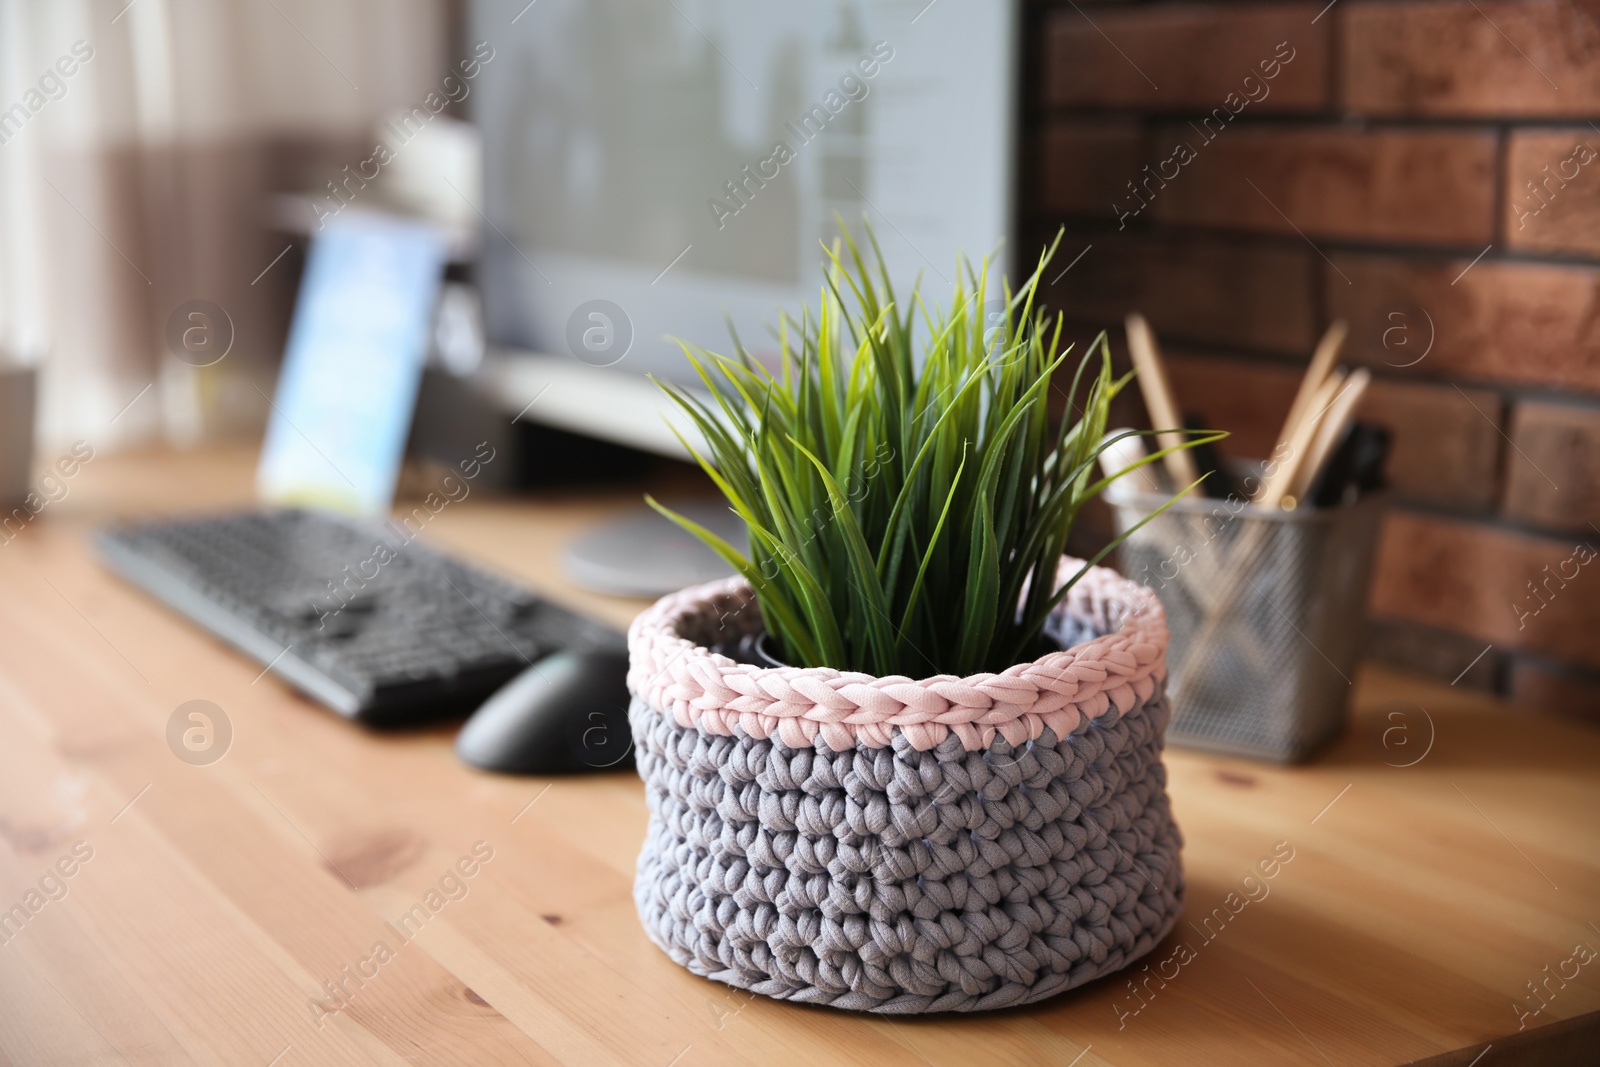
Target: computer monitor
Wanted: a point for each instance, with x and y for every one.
(663, 168)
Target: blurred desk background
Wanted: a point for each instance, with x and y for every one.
(1423, 905)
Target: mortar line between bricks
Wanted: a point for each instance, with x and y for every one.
(1500, 180)
(1200, 348)
(1429, 254)
(1473, 664)
(1310, 118)
(1509, 441)
(1301, 232)
(1505, 524)
(1474, 262)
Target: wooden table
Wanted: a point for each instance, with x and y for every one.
(210, 908)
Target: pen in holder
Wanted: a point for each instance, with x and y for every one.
(1266, 598)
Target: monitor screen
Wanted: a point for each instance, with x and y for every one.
(659, 169)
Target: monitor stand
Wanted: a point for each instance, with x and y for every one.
(644, 554)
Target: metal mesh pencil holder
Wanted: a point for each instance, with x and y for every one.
(1267, 611)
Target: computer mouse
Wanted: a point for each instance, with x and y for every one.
(567, 713)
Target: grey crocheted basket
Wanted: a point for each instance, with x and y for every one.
(897, 845)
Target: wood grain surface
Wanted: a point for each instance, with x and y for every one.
(306, 898)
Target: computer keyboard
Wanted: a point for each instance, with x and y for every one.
(357, 615)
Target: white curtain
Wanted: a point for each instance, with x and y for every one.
(141, 145)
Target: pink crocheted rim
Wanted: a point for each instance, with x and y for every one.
(703, 689)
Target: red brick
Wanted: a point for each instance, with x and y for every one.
(1558, 690)
(1451, 57)
(1552, 195)
(1553, 475)
(1443, 451)
(1248, 398)
(1473, 579)
(1525, 323)
(1391, 185)
(1252, 295)
(1185, 57)
(1083, 165)
(1450, 658)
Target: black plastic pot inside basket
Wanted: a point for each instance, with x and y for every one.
(759, 649)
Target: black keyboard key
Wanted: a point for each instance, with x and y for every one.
(378, 628)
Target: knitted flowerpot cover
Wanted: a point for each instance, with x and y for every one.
(898, 845)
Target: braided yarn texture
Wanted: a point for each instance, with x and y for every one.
(884, 874)
(671, 670)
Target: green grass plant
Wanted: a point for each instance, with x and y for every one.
(907, 492)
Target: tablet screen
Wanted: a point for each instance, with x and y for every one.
(337, 431)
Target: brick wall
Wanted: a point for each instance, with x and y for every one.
(1428, 170)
